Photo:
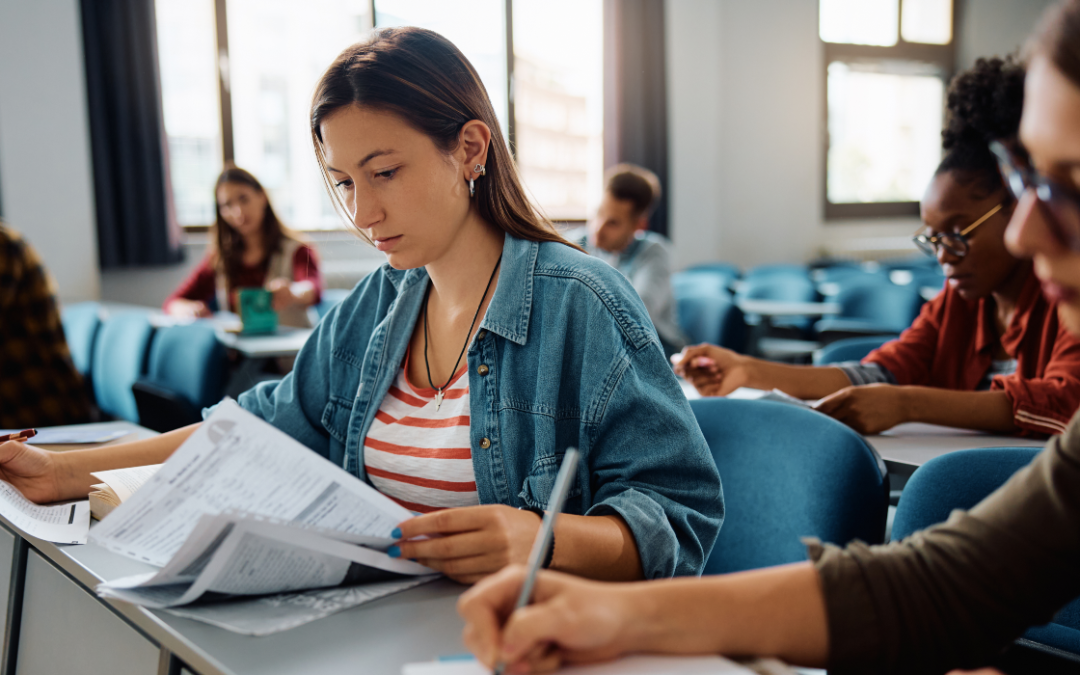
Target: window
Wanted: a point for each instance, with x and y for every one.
(265, 57)
(887, 63)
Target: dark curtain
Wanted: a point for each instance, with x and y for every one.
(635, 92)
(135, 219)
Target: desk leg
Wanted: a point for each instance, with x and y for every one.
(14, 606)
(168, 664)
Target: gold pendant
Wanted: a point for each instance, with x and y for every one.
(438, 399)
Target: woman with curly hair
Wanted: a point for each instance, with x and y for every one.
(989, 352)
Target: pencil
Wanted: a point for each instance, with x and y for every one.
(23, 435)
(543, 537)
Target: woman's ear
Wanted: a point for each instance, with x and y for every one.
(475, 139)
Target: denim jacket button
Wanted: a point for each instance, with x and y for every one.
(485, 443)
(482, 369)
(481, 335)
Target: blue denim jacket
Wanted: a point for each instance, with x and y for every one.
(565, 357)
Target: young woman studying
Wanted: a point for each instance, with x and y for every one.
(455, 377)
(989, 352)
(250, 247)
(952, 596)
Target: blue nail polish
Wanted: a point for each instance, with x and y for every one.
(393, 552)
(396, 534)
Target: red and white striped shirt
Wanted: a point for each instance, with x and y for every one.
(419, 456)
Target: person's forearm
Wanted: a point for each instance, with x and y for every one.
(74, 466)
(596, 547)
(805, 382)
(980, 410)
(778, 612)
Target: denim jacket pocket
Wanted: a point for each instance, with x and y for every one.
(538, 485)
(335, 417)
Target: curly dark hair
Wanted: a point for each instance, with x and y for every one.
(984, 104)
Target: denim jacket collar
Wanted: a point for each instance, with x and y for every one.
(511, 305)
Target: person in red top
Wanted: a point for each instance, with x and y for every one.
(250, 248)
(989, 352)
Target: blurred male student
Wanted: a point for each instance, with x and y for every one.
(619, 236)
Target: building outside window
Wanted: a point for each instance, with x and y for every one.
(238, 75)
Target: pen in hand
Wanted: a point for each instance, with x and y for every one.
(24, 435)
(543, 537)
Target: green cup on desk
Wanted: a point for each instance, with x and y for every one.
(257, 315)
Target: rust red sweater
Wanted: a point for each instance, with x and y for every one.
(951, 345)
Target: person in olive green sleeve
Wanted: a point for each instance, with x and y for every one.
(952, 596)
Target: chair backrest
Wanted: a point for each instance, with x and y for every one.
(850, 349)
(788, 472)
(81, 324)
(711, 318)
(724, 269)
(788, 287)
(698, 281)
(777, 270)
(119, 360)
(960, 480)
(331, 297)
(887, 305)
(189, 360)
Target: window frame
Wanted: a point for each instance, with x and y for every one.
(942, 57)
(221, 61)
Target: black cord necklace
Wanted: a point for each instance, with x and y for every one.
(439, 390)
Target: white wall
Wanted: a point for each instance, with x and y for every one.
(746, 118)
(45, 172)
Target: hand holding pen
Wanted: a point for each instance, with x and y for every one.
(20, 436)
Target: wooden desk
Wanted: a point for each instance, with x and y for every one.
(54, 623)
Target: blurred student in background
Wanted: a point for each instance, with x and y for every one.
(989, 352)
(952, 596)
(250, 247)
(619, 236)
(39, 385)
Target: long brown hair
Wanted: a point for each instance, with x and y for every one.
(1058, 37)
(227, 246)
(421, 77)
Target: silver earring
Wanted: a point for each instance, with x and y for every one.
(479, 169)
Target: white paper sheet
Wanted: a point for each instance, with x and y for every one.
(630, 665)
(239, 554)
(124, 482)
(59, 523)
(236, 461)
(274, 613)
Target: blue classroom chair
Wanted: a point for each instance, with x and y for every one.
(119, 360)
(711, 318)
(960, 480)
(186, 373)
(850, 349)
(789, 285)
(788, 472)
(871, 307)
(81, 324)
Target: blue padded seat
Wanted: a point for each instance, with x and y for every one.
(81, 324)
(960, 480)
(788, 472)
(119, 360)
(698, 281)
(850, 349)
(786, 270)
(873, 308)
(186, 373)
(790, 286)
(711, 318)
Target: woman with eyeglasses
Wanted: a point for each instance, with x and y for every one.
(952, 596)
(989, 352)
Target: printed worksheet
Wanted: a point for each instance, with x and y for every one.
(59, 523)
(235, 461)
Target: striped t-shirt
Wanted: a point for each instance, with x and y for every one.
(419, 456)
